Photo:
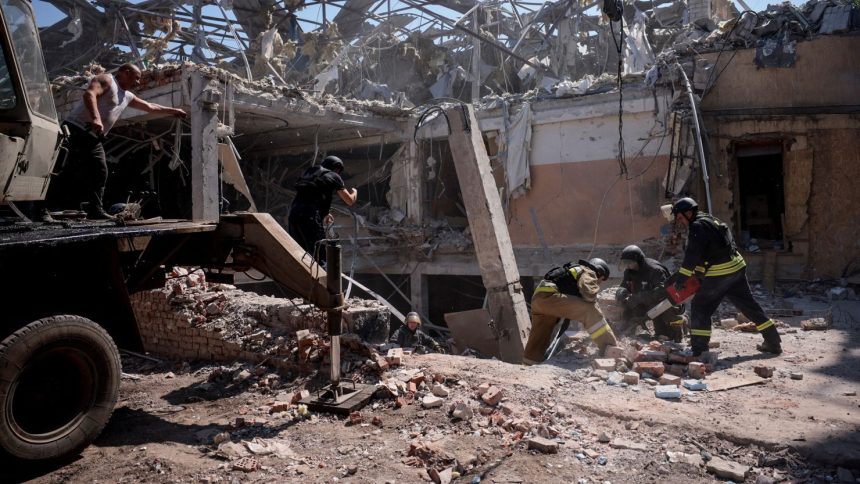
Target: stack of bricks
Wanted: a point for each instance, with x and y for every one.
(172, 334)
(192, 320)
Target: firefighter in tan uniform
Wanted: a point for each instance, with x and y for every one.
(568, 292)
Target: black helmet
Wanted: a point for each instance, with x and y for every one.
(684, 204)
(332, 163)
(633, 252)
(598, 265)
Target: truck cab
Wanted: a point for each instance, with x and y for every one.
(30, 135)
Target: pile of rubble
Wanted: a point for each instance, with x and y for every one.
(193, 319)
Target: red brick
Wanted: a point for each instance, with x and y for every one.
(677, 370)
(493, 396)
(655, 368)
(670, 380)
(696, 370)
(681, 358)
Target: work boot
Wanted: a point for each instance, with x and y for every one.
(768, 347)
(46, 217)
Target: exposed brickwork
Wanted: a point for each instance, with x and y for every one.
(191, 319)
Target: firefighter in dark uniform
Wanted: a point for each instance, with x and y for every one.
(569, 292)
(712, 256)
(310, 210)
(642, 288)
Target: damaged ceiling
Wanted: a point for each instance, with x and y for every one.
(408, 52)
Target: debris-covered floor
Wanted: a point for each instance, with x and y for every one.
(437, 420)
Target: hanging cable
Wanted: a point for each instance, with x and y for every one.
(613, 9)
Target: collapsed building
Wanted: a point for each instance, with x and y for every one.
(589, 128)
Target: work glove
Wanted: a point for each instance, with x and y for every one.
(622, 294)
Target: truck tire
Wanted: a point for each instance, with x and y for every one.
(59, 381)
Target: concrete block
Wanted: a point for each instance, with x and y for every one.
(667, 391)
(431, 401)
(727, 469)
(543, 445)
(836, 19)
(695, 385)
(796, 375)
(631, 378)
(614, 378)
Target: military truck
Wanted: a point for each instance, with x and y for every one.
(65, 289)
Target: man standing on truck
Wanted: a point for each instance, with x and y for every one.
(84, 175)
(311, 209)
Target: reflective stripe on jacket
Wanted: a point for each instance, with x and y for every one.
(710, 249)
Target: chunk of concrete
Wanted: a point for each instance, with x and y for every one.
(606, 364)
(431, 401)
(727, 469)
(667, 391)
(695, 385)
(631, 378)
(691, 459)
(764, 371)
(543, 445)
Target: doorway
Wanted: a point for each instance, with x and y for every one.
(760, 195)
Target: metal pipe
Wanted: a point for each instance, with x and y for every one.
(335, 314)
(703, 161)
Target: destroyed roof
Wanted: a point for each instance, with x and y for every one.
(409, 52)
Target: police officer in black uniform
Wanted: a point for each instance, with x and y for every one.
(310, 210)
(642, 288)
(712, 256)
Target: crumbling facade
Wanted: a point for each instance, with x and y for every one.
(582, 159)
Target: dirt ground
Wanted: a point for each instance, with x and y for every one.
(170, 415)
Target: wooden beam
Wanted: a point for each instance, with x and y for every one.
(204, 149)
(489, 229)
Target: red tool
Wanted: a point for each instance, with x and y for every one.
(675, 297)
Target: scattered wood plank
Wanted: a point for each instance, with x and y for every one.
(720, 383)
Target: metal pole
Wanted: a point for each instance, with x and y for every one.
(702, 160)
(335, 314)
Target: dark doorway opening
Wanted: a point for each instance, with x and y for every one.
(761, 194)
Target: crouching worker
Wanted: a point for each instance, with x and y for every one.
(642, 288)
(568, 292)
(410, 336)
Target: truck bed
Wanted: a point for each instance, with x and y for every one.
(42, 235)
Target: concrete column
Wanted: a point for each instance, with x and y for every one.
(418, 293)
(490, 235)
(415, 181)
(205, 189)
